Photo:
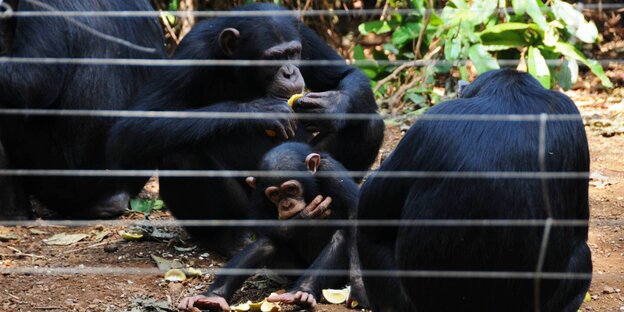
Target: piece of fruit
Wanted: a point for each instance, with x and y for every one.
(336, 296)
(241, 307)
(192, 272)
(131, 236)
(255, 306)
(587, 297)
(270, 307)
(175, 275)
(294, 98)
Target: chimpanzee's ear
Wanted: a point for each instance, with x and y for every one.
(313, 161)
(251, 181)
(228, 39)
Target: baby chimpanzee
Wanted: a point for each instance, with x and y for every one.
(315, 247)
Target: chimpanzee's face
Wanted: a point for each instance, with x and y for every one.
(288, 197)
(285, 80)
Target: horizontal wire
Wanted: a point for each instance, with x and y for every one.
(271, 115)
(319, 223)
(213, 62)
(301, 272)
(295, 174)
(293, 13)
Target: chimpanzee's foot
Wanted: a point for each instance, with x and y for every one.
(109, 208)
(299, 298)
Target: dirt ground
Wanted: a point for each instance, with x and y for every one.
(23, 247)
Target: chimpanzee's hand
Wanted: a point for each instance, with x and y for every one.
(317, 208)
(282, 127)
(320, 103)
(300, 298)
(204, 302)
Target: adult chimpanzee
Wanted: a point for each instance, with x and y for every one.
(76, 142)
(231, 144)
(319, 248)
(474, 146)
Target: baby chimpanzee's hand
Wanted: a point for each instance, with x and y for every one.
(204, 302)
(317, 208)
(300, 298)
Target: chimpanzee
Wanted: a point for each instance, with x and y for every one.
(239, 144)
(33, 142)
(288, 198)
(481, 146)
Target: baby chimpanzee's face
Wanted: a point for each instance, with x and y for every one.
(287, 197)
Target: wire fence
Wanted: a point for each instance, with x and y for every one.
(540, 120)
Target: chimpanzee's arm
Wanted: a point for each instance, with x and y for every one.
(349, 81)
(34, 85)
(339, 89)
(144, 140)
(253, 256)
(333, 257)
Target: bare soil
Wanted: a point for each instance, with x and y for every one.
(125, 291)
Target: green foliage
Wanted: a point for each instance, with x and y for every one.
(542, 36)
(146, 206)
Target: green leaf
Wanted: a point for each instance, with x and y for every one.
(416, 98)
(568, 74)
(370, 69)
(551, 35)
(391, 48)
(587, 32)
(158, 204)
(358, 52)
(452, 48)
(419, 5)
(566, 12)
(571, 52)
(174, 5)
(374, 27)
(170, 18)
(520, 6)
(538, 67)
(507, 34)
(140, 205)
(482, 59)
(405, 33)
(482, 10)
(535, 13)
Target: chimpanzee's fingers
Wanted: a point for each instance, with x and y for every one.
(281, 130)
(326, 214)
(325, 203)
(290, 129)
(223, 304)
(186, 303)
(311, 102)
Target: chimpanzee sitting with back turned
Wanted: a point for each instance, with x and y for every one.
(239, 144)
(319, 248)
(459, 145)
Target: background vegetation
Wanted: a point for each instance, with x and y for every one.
(414, 57)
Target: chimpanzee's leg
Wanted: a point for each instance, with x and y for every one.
(202, 198)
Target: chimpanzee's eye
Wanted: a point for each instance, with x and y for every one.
(274, 195)
(291, 190)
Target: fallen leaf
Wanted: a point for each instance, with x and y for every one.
(64, 239)
(165, 265)
(5, 237)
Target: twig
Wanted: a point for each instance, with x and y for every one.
(423, 29)
(384, 11)
(20, 254)
(14, 296)
(94, 245)
(169, 29)
(47, 308)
